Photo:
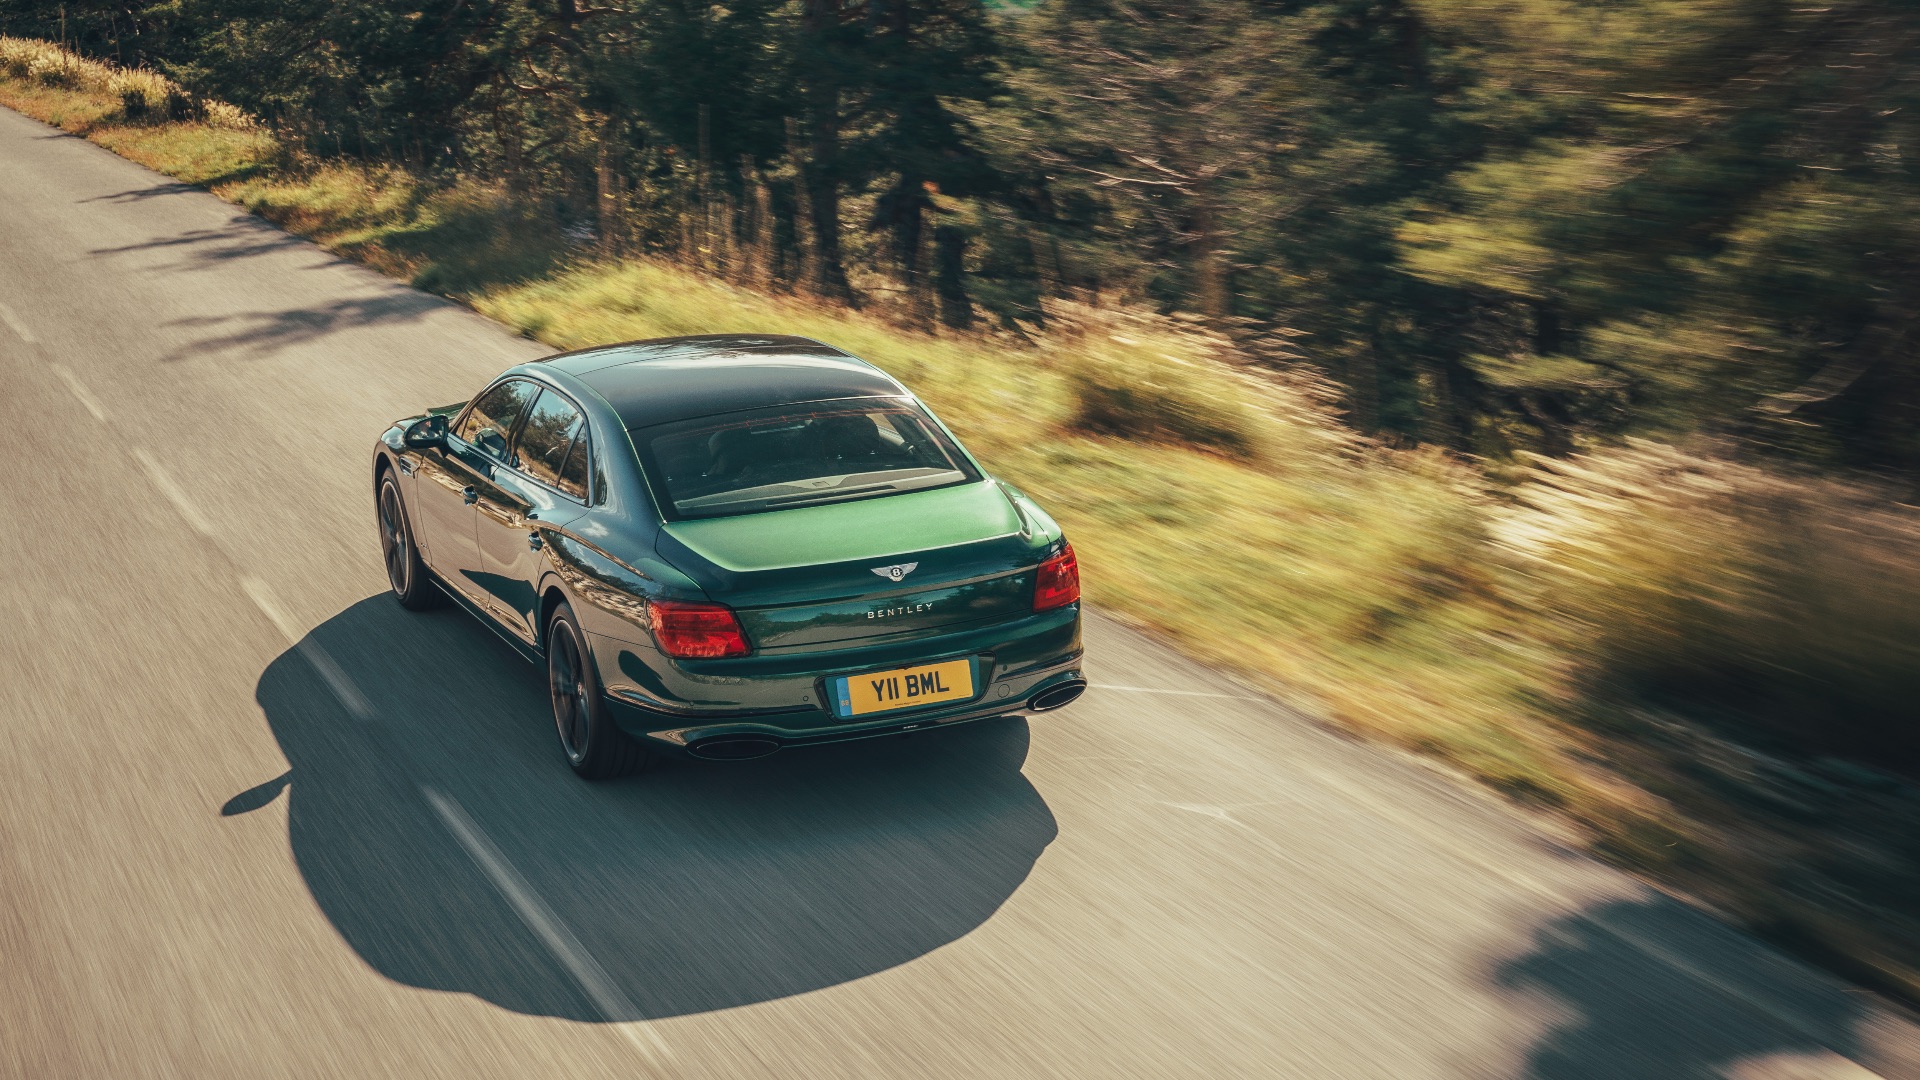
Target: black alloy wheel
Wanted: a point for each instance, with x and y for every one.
(595, 747)
(408, 576)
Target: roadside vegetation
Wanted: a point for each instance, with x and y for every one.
(1698, 645)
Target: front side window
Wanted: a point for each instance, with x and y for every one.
(546, 437)
(799, 455)
(489, 423)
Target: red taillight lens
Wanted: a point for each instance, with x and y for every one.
(1058, 583)
(695, 631)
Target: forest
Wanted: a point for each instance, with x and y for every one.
(1493, 225)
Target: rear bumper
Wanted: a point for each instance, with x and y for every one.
(787, 699)
(1009, 695)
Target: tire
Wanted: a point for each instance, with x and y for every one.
(593, 745)
(407, 575)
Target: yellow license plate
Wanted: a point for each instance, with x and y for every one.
(904, 688)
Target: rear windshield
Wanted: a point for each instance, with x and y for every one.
(798, 455)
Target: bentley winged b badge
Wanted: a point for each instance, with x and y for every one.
(896, 571)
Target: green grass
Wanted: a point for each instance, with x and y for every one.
(1400, 593)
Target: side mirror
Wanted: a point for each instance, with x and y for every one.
(427, 434)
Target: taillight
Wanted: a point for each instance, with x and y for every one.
(689, 630)
(1058, 583)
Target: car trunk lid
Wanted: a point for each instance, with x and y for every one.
(916, 563)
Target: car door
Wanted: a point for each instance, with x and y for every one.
(541, 486)
(449, 482)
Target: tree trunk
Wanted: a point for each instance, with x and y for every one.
(757, 228)
(1549, 335)
(801, 273)
(1209, 261)
(904, 214)
(1046, 247)
(949, 275)
(606, 192)
(821, 20)
(703, 179)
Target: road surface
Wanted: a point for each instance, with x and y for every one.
(257, 821)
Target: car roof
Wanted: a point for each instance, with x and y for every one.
(661, 380)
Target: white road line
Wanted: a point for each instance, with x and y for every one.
(337, 680)
(263, 599)
(593, 979)
(316, 654)
(173, 493)
(1791, 1065)
(14, 324)
(1175, 693)
(80, 391)
(612, 1005)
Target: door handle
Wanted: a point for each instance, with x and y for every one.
(534, 541)
(471, 494)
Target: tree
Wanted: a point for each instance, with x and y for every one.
(922, 62)
(826, 50)
(1162, 108)
(1719, 235)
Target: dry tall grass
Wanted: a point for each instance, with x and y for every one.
(1790, 602)
(142, 95)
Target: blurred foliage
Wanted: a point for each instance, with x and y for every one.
(1787, 603)
(1494, 225)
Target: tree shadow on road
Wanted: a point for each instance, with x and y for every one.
(245, 238)
(1651, 989)
(696, 886)
(255, 334)
(151, 191)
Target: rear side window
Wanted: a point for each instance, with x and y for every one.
(546, 437)
(573, 476)
(799, 455)
(489, 423)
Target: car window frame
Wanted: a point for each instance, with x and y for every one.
(586, 430)
(513, 431)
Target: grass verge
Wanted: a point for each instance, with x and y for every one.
(1532, 637)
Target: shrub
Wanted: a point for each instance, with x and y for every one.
(15, 56)
(51, 67)
(142, 94)
(221, 114)
(1140, 377)
(1793, 601)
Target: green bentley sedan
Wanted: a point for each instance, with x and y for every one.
(726, 545)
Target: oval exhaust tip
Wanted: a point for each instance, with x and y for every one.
(1056, 696)
(734, 747)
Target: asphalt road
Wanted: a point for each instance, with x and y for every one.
(257, 821)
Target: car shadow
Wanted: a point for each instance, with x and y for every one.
(1649, 988)
(696, 886)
